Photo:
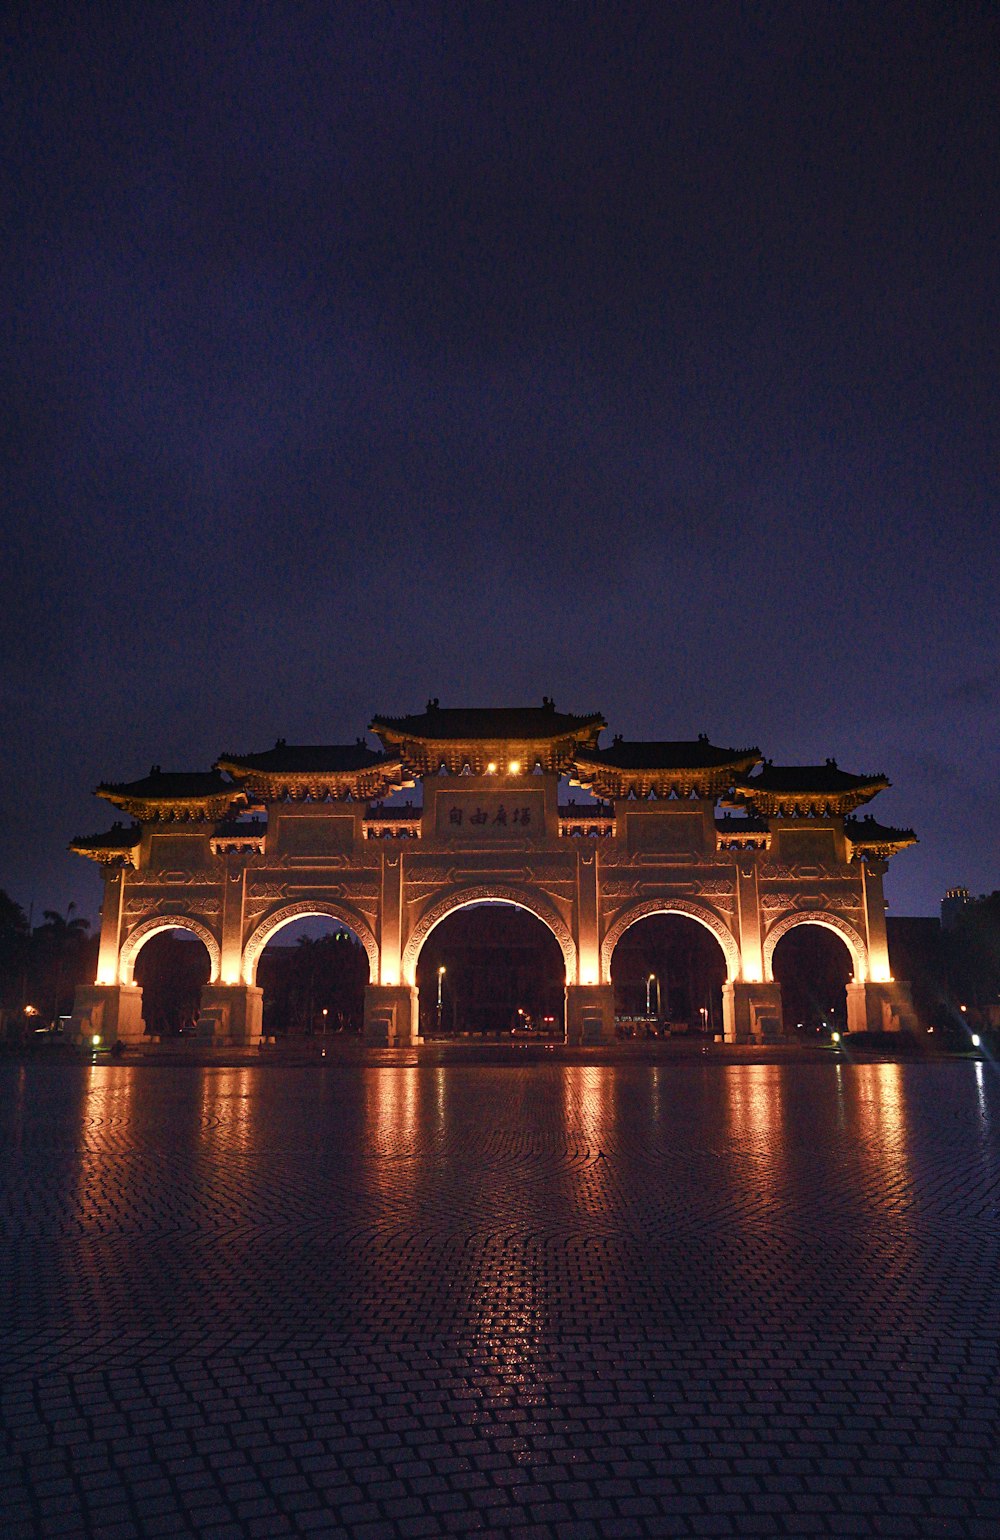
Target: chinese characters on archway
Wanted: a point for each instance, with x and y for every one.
(500, 817)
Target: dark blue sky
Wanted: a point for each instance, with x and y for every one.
(642, 356)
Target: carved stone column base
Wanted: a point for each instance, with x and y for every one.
(111, 1012)
(231, 1015)
(590, 1014)
(751, 1013)
(392, 1016)
(881, 1008)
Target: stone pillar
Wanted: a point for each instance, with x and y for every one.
(231, 1015)
(112, 909)
(392, 1016)
(881, 1007)
(590, 1014)
(112, 1012)
(233, 896)
(390, 916)
(876, 939)
(748, 918)
(588, 936)
(751, 1012)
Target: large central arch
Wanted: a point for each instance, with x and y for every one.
(852, 940)
(286, 913)
(641, 911)
(137, 938)
(461, 898)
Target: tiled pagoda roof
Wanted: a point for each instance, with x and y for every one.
(727, 824)
(300, 770)
(749, 832)
(439, 723)
(305, 759)
(870, 837)
(791, 790)
(117, 844)
(164, 794)
(680, 768)
(235, 833)
(480, 736)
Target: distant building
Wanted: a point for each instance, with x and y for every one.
(953, 904)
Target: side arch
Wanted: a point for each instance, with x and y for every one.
(137, 938)
(852, 939)
(286, 913)
(461, 898)
(648, 906)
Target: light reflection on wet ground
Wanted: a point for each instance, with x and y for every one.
(621, 1270)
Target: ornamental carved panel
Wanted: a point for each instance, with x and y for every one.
(165, 904)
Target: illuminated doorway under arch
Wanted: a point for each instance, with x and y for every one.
(171, 968)
(667, 971)
(492, 970)
(312, 972)
(813, 965)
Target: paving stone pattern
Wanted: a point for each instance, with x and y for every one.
(554, 1301)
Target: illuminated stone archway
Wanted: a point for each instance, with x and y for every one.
(650, 906)
(832, 922)
(137, 938)
(322, 908)
(463, 898)
(294, 830)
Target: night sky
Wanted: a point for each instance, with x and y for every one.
(641, 356)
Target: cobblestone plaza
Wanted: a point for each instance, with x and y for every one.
(549, 1300)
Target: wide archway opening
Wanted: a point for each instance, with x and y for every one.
(313, 973)
(667, 972)
(492, 970)
(171, 969)
(813, 965)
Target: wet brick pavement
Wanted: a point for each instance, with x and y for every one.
(554, 1301)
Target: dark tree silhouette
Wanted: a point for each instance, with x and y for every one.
(15, 947)
(61, 959)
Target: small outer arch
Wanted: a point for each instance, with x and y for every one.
(851, 938)
(137, 938)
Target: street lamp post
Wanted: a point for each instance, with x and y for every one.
(441, 973)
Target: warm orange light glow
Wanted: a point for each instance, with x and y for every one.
(105, 976)
(515, 767)
(491, 768)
